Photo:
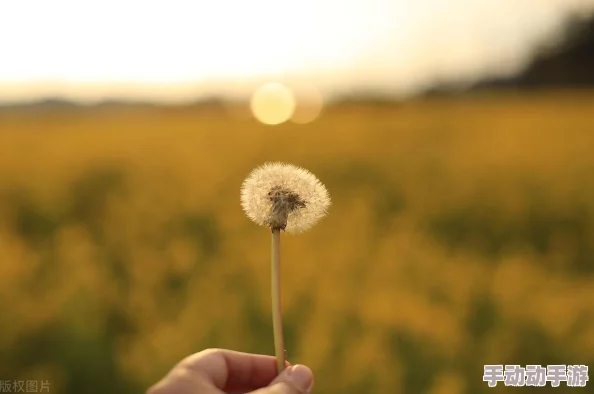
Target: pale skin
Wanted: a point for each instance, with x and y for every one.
(220, 371)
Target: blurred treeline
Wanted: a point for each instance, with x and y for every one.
(566, 62)
(461, 234)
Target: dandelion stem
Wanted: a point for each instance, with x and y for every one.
(277, 319)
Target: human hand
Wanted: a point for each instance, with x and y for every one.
(220, 371)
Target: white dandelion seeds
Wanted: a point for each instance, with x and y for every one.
(282, 197)
(285, 196)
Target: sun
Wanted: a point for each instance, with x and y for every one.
(273, 103)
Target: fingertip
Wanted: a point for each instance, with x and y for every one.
(301, 376)
(298, 376)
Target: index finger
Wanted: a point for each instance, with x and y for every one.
(228, 369)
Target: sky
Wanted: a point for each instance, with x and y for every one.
(177, 50)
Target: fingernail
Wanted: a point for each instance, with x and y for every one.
(301, 376)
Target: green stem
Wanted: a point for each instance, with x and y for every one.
(277, 319)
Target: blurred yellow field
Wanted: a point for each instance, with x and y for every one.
(461, 234)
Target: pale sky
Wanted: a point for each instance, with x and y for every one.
(180, 49)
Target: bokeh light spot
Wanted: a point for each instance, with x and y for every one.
(309, 104)
(273, 103)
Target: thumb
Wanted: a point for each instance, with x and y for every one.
(296, 379)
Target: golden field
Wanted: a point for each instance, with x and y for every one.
(461, 234)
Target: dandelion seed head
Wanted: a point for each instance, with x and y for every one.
(284, 196)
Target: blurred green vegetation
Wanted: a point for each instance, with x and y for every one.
(461, 234)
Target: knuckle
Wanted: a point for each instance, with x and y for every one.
(183, 375)
(209, 352)
(191, 359)
(156, 389)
